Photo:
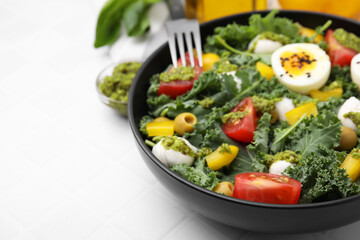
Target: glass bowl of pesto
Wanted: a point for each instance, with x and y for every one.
(113, 84)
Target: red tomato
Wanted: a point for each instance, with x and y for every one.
(267, 188)
(179, 87)
(339, 55)
(242, 129)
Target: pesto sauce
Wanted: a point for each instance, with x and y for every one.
(355, 117)
(347, 39)
(206, 102)
(263, 105)
(312, 100)
(179, 73)
(233, 116)
(275, 37)
(332, 86)
(179, 145)
(225, 148)
(118, 84)
(355, 153)
(203, 152)
(224, 66)
(270, 36)
(288, 156)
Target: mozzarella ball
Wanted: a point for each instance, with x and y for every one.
(301, 66)
(350, 105)
(279, 166)
(263, 46)
(283, 106)
(170, 157)
(355, 69)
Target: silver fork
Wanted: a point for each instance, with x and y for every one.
(177, 29)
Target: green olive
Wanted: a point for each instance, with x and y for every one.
(226, 188)
(348, 138)
(274, 117)
(184, 122)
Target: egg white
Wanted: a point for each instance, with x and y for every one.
(355, 69)
(170, 157)
(350, 105)
(302, 83)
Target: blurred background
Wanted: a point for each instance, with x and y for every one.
(206, 10)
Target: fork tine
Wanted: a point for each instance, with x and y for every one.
(172, 49)
(180, 41)
(190, 47)
(171, 40)
(197, 39)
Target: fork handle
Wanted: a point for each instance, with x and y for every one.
(176, 9)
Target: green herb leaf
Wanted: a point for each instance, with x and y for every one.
(108, 27)
(199, 174)
(321, 177)
(135, 18)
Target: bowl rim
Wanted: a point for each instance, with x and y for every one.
(146, 150)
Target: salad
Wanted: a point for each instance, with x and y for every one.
(273, 115)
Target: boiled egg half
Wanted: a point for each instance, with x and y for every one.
(301, 66)
(355, 69)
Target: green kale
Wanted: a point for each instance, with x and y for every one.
(321, 177)
(343, 77)
(198, 174)
(271, 23)
(324, 129)
(281, 136)
(142, 126)
(238, 36)
(309, 132)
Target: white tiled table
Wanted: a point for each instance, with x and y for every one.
(69, 168)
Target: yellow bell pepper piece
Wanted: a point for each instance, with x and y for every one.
(308, 32)
(208, 60)
(220, 157)
(324, 96)
(160, 128)
(265, 70)
(294, 115)
(352, 167)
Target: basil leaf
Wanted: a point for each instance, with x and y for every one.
(135, 18)
(109, 22)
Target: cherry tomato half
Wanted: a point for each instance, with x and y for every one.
(267, 188)
(242, 129)
(179, 87)
(339, 55)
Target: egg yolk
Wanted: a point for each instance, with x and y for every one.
(297, 63)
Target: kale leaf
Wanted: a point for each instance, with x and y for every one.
(198, 174)
(321, 177)
(239, 36)
(305, 136)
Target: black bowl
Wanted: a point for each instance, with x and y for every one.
(252, 216)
